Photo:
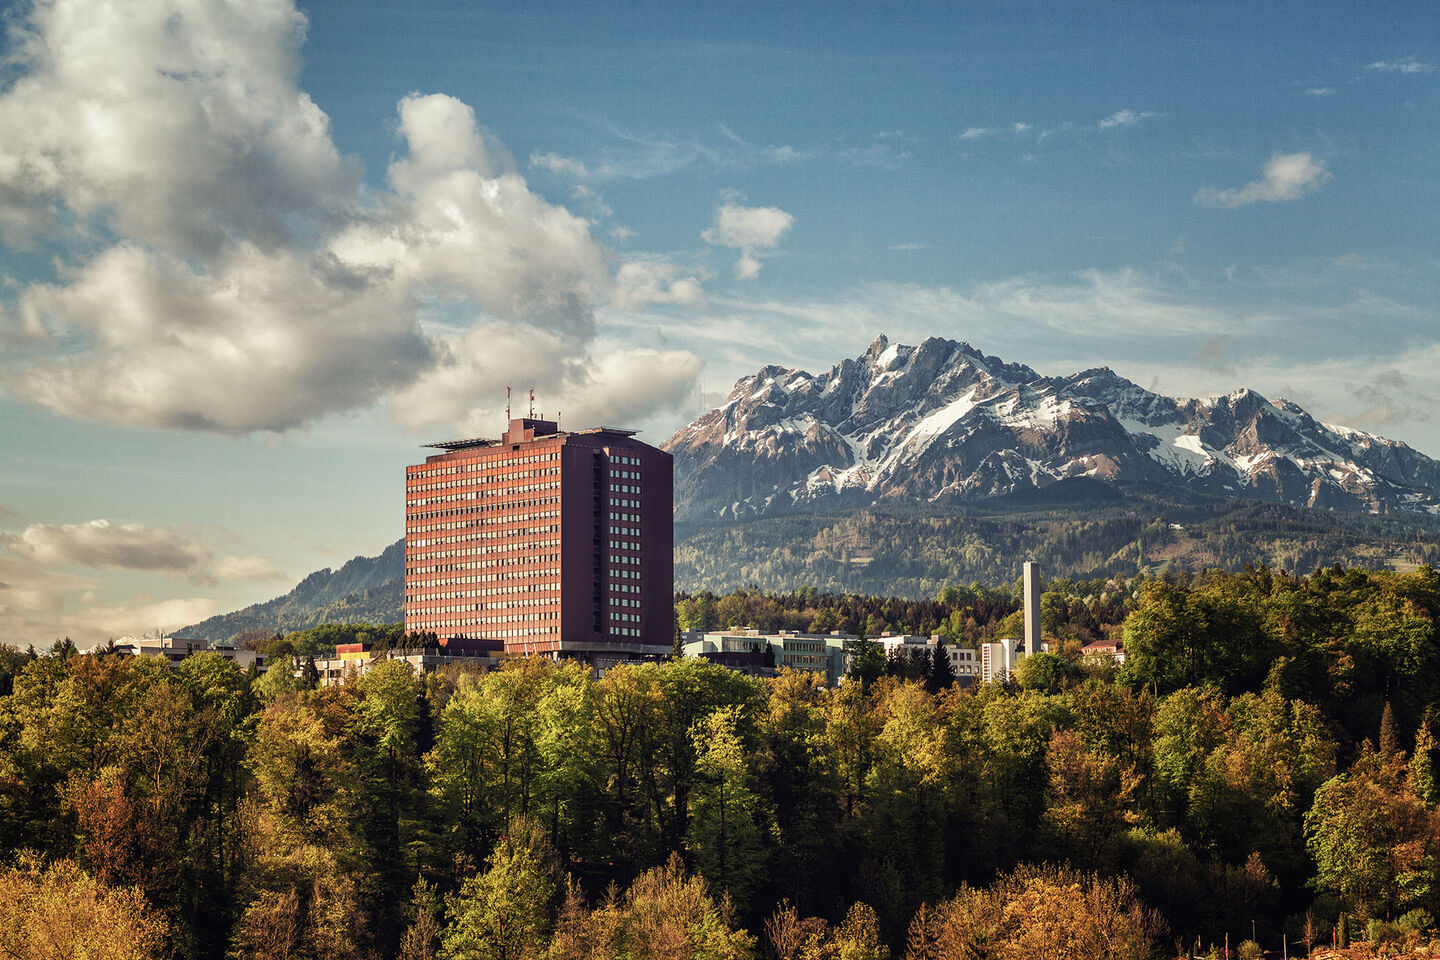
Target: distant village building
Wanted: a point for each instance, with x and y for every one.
(175, 649)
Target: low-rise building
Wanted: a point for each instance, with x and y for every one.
(357, 659)
(176, 649)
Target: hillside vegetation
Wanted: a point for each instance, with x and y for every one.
(1265, 761)
(914, 552)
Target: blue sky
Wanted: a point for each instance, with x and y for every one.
(251, 256)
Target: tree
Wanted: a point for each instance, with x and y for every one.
(1374, 842)
(724, 835)
(942, 671)
(1045, 911)
(504, 913)
(867, 660)
(57, 912)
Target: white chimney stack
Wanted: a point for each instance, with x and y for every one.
(1032, 607)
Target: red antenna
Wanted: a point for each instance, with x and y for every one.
(507, 404)
(532, 403)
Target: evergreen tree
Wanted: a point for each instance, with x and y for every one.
(1389, 735)
(942, 671)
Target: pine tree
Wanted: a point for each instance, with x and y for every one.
(1389, 735)
(1422, 764)
(942, 672)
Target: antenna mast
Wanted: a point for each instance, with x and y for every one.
(507, 404)
(532, 403)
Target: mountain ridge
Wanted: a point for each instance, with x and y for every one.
(943, 422)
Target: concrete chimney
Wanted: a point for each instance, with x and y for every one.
(1032, 607)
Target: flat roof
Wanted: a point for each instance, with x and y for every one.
(462, 444)
(620, 430)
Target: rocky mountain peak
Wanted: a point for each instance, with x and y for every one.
(942, 421)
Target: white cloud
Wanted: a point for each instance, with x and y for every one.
(467, 391)
(1286, 176)
(259, 342)
(654, 281)
(103, 545)
(747, 229)
(1407, 65)
(565, 166)
(1125, 118)
(221, 267)
(1319, 91)
(175, 123)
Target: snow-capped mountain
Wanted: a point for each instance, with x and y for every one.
(944, 422)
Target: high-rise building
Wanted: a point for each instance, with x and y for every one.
(553, 542)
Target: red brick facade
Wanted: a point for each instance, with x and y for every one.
(550, 542)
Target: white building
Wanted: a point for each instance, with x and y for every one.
(176, 649)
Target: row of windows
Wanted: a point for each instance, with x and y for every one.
(633, 461)
(509, 590)
(485, 463)
(538, 615)
(441, 623)
(499, 548)
(486, 531)
(483, 564)
(625, 618)
(470, 481)
(470, 507)
(624, 602)
(625, 631)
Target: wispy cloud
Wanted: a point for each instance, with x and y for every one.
(1319, 91)
(1286, 176)
(1126, 118)
(1407, 65)
(1119, 120)
(637, 156)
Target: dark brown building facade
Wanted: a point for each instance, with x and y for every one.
(551, 542)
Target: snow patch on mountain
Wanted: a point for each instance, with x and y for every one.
(943, 421)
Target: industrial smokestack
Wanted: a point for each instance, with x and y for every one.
(1032, 607)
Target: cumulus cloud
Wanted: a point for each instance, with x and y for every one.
(258, 342)
(747, 229)
(174, 122)
(222, 268)
(467, 390)
(655, 281)
(103, 545)
(1286, 176)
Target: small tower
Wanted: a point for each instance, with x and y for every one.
(1032, 607)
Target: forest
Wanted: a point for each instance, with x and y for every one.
(1259, 772)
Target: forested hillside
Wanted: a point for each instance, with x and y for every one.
(1264, 761)
(364, 590)
(914, 552)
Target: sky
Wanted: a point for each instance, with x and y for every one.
(253, 255)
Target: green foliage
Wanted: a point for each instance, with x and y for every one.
(1227, 769)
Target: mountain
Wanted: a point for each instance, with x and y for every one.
(366, 589)
(942, 423)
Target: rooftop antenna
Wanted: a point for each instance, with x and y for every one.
(557, 420)
(532, 403)
(507, 404)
